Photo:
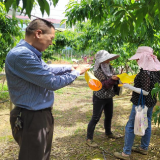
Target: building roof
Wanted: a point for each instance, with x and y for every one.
(57, 21)
(21, 17)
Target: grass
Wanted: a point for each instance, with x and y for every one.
(4, 95)
(3, 87)
(60, 91)
(72, 111)
(8, 138)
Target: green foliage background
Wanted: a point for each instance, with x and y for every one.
(10, 33)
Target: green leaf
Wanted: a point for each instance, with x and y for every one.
(47, 8)
(134, 6)
(155, 119)
(158, 120)
(42, 6)
(117, 6)
(155, 91)
(131, 26)
(8, 4)
(124, 29)
(24, 6)
(17, 2)
(29, 7)
(157, 112)
(63, 21)
(89, 1)
(55, 2)
(120, 13)
(139, 18)
(150, 19)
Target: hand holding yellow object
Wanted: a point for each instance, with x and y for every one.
(125, 78)
(93, 83)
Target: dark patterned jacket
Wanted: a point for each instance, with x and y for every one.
(146, 80)
(109, 86)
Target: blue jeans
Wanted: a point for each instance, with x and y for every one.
(129, 132)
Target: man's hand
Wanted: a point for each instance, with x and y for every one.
(74, 67)
(114, 77)
(82, 68)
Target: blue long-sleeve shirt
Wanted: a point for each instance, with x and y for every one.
(31, 81)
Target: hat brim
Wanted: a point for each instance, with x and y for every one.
(110, 57)
(136, 56)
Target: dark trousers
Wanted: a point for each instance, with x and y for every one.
(35, 138)
(100, 105)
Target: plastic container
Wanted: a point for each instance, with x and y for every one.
(125, 78)
(93, 83)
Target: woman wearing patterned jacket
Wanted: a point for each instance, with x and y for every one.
(103, 99)
(145, 80)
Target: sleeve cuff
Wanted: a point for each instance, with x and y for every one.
(68, 68)
(76, 73)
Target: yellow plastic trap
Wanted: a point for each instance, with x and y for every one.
(93, 83)
(125, 78)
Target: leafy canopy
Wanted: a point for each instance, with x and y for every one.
(28, 5)
(124, 16)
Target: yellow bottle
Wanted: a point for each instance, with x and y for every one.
(93, 83)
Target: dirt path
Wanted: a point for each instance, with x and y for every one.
(72, 112)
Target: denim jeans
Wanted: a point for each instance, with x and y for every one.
(129, 132)
(100, 105)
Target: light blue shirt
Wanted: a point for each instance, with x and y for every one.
(31, 81)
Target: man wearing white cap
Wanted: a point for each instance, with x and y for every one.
(103, 99)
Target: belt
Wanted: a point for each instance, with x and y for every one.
(45, 109)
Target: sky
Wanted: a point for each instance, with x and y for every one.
(55, 12)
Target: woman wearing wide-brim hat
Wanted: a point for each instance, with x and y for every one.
(149, 75)
(103, 99)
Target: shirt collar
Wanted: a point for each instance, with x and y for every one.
(24, 43)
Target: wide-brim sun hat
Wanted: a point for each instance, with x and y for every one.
(146, 59)
(141, 51)
(102, 56)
